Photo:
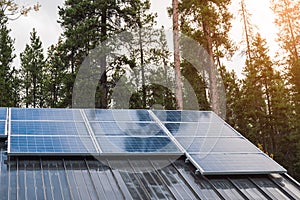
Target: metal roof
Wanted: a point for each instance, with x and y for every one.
(88, 178)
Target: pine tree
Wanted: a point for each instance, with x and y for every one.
(86, 25)
(266, 104)
(287, 20)
(208, 22)
(233, 93)
(8, 75)
(55, 75)
(32, 72)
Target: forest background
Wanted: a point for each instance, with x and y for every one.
(262, 102)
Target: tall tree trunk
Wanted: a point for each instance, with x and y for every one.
(178, 84)
(212, 71)
(294, 42)
(144, 100)
(103, 78)
(245, 22)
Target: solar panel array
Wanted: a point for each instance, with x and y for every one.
(207, 141)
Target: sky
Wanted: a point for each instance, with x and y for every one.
(45, 22)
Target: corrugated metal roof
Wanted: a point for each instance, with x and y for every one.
(88, 178)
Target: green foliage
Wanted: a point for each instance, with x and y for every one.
(32, 73)
(86, 24)
(266, 103)
(195, 15)
(8, 75)
(287, 20)
(55, 76)
(233, 94)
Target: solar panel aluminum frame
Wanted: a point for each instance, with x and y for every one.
(8, 131)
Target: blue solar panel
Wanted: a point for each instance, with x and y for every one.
(45, 114)
(211, 145)
(126, 129)
(2, 128)
(199, 129)
(137, 145)
(3, 112)
(237, 163)
(48, 128)
(117, 115)
(186, 116)
(51, 144)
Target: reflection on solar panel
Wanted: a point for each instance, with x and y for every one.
(212, 145)
(200, 129)
(117, 115)
(236, 163)
(137, 145)
(126, 129)
(51, 144)
(186, 116)
(45, 114)
(48, 128)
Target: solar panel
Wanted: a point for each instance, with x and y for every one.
(212, 145)
(222, 145)
(137, 145)
(200, 129)
(126, 129)
(117, 115)
(45, 114)
(51, 145)
(240, 163)
(3, 112)
(186, 116)
(48, 128)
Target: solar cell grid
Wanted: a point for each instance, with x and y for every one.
(212, 145)
(200, 129)
(45, 114)
(3, 112)
(126, 129)
(51, 144)
(137, 145)
(186, 116)
(2, 128)
(48, 128)
(117, 115)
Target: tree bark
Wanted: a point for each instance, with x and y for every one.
(212, 71)
(178, 84)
